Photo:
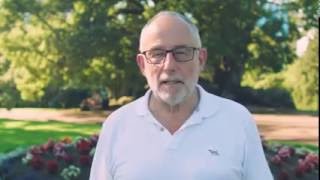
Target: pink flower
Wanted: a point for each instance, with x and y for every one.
(68, 158)
(36, 151)
(285, 153)
(301, 168)
(276, 159)
(59, 154)
(312, 159)
(58, 147)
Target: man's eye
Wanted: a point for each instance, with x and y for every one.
(156, 54)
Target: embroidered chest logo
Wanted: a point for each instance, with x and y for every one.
(213, 152)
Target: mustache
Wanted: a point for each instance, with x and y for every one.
(171, 79)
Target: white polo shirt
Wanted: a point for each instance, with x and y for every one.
(219, 141)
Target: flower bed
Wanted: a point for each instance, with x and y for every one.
(67, 159)
(287, 163)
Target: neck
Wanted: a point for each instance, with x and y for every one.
(187, 106)
(172, 117)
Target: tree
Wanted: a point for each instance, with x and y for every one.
(69, 45)
(53, 45)
(302, 78)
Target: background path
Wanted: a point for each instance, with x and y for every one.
(303, 128)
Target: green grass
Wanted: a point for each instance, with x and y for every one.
(297, 145)
(22, 134)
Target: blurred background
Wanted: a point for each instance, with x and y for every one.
(57, 53)
(75, 60)
(66, 65)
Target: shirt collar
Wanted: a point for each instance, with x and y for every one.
(207, 106)
(141, 106)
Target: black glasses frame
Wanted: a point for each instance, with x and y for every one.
(166, 52)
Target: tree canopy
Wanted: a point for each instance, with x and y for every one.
(91, 44)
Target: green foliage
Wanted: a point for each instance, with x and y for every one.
(268, 53)
(92, 44)
(67, 45)
(9, 95)
(270, 97)
(257, 80)
(302, 78)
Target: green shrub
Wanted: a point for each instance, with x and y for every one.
(273, 97)
(302, 78)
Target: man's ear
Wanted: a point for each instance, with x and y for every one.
(203, 55)
(140, 62)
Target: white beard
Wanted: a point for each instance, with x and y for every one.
(173, 100)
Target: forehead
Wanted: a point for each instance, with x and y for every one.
(167, 32)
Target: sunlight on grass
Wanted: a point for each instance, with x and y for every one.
(13, 124)
(59, 128)
(21, 134)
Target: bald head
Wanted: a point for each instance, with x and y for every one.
(166, 21)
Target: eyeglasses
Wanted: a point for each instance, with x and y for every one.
(180, 54)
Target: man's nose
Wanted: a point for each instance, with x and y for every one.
(169, 61)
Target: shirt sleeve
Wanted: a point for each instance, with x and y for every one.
(100, 169)
(255, 163)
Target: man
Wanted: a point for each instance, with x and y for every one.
(177, 130)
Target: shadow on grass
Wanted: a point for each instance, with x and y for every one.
(23, 134)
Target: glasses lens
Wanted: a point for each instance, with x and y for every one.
(183, 53)
(156, 55)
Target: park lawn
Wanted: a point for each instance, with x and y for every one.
(22, 134)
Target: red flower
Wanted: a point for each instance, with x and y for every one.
(52, 166)
(301, 168)
(85, 160)
(83, 146)
(312, 159)
(37, 162)
(48, 146)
